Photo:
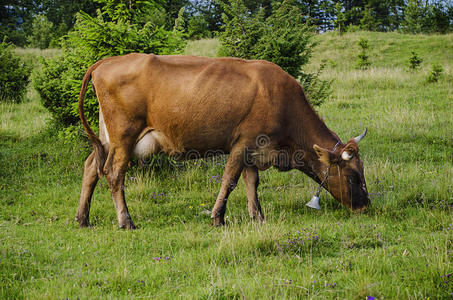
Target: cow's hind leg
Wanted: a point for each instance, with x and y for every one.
(116, 171)
(230, 178)
(251, 180)
(90, 178)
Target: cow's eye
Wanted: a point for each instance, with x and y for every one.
(353, 179)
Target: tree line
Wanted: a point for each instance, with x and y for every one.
(42, 23)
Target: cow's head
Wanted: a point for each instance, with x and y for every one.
(346, 181)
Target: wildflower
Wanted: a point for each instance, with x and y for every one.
(299, 241)
(370, 298)
(159, 258)
(331, 284)
(215, 178)
(159, 195)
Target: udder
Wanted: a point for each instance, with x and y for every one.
(147, 145)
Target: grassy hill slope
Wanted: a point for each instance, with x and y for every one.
(386, 49)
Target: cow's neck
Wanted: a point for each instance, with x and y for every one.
(312, 130)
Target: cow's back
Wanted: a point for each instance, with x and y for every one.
(197, 103)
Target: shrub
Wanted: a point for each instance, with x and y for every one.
(242, 31)
(362, 59)
(283, 38)
(14, 74)
(115, 31)
(435, 73)
(317, 90)
(415, 61)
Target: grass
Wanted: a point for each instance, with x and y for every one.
(401, 248)
(35, 52)
(206, 47)
(388, 50)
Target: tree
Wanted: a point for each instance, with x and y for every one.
(62, 13)
(368, 21)
(117, 30)
(16, 19)
(340, 18)
(286, 39)
(283, 38)
(197, 27)
(16, 16)
(172, 8)
(414, 16)
(440, 17)
(424, 17)
(210, 11)
(42, 33)
(379, 15)
(318, 13)
(386, 14)
(242, 31)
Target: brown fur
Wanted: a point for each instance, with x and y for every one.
(205, 104)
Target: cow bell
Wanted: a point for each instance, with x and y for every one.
(314, 202)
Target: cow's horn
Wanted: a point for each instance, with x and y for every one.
(357, 139)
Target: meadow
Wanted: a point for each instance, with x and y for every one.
(400, 248)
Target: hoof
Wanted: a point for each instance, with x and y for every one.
(128, 224)
(219, 221)
(259, 218)
(83, 221)
(218, 218)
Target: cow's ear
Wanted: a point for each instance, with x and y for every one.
(324, 155)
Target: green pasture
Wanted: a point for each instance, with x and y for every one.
(401, 248)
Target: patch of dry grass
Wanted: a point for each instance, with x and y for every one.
(206, 47)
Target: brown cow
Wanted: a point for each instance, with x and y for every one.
(252, 110)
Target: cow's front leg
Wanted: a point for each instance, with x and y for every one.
(115, 177)
(90, 178)
(230, 178)
(251, 180)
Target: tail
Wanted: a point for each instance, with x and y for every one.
(94, 139)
